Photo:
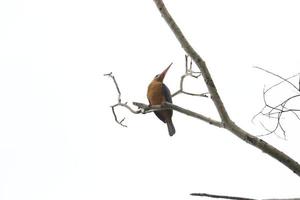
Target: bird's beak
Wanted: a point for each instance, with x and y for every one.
(162, 75)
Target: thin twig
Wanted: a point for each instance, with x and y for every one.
(116, 84)
(116, 118)
(284, 79)
(271, 87)
(120, 122)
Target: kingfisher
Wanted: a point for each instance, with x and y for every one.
(157, 94)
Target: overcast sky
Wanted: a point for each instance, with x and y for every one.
(58, 138)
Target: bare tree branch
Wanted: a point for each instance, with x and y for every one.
(220, 196)
(196, 58)
(195, 115)
(233, 197)
(228, 124)
(168, 105)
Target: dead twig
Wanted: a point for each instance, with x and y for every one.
(275, 112)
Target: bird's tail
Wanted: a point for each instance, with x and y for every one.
(171, 128)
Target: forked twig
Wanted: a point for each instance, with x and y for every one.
(189, 73)
(120, 102)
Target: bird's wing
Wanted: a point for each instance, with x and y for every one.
(167, 93)
(160, 116)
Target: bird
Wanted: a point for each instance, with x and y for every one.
(157, 94)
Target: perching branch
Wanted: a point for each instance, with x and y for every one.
(228, 123)
(168, 105)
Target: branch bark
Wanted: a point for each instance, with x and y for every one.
(227, 122)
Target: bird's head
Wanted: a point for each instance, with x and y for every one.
(160, 77)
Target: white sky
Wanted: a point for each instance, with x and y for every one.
(58, 139)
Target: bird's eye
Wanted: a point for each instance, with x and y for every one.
(156, 76)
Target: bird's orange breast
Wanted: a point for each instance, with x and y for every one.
(155, 93)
